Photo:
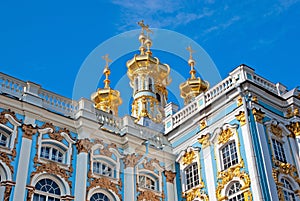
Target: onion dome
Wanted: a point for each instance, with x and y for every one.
(149, 79)
(107, 99)
(193, 86)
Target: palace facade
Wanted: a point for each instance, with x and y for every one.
(237, 140)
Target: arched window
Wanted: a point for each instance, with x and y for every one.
(148, 182)
(288, 192)
(102, 168)
(191, 176)
(229, 155)
(99, 197)
(52, 153)
(234, 193)
(46, 190)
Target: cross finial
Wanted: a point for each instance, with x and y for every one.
(191, 51)
(107, 60)
(144, 27)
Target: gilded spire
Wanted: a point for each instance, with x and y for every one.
(145, 41)
(191, 62)
(193, 86)
(106, 71)
(107, 99)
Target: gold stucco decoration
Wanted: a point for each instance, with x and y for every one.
(202, 124)
(258, 115)
(239, 101)
(224, 136)
(148, 195)
(241, 118)
(276, 130)
(4, 120)
(170, 176)
(195, 193)
(204, 140)
(188, 157)
(226, 176)
(294, 127)
(4, 158)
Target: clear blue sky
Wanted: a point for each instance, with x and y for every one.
(47, 41)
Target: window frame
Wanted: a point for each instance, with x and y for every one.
(236, 193)
(193, 170)
(45, 193)
(281, 150)
(151, 178)
(50, 154)
(223, 168)
(103, 162)
(287, 190)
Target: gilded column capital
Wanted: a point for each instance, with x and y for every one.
(170, 176)
(258, 115)
(204, 140)
(202, 124)
(294, 127)
(130, 160)
(241, 118)
(7, 192)
(239, 101)
(28, 131)
(83, 145)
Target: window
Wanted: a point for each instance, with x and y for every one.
(234, 193)
(102, 169)
(150, 84)
(278, 150)
(3, 139)
(288, 192)
(191, 176)
(147, 182)
(52, 153)
(229, 155)
(46, 190)
(99, 197)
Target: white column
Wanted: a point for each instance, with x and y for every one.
(2, 190)
(81, 173)
(295, 153)
(266, 160)
(251, 161)
(171, 191)
(129, 184)
(209, 174)
(22, 174)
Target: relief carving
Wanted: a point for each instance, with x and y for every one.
(130, 160)
(107, 184)
(84, 145)
(204, 140)
(188, 157)
(148, 196)
(28, 131)
(224, 136)
(170, 176)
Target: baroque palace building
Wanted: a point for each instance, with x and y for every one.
(237, 140)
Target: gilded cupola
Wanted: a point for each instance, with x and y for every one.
(148, 79)
(193, 86)
(107, 99)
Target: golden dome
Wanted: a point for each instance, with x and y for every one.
(107, 99)
(193, 86)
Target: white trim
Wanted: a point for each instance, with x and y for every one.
(109, 193)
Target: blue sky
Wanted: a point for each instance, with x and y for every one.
(47, 41)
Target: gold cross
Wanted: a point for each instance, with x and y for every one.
(107, 60)
(191, 51)
(144, 27)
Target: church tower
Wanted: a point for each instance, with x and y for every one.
(193, 86)
(107, 99)
(148, 79)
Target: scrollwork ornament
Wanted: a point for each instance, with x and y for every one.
(188, 157)
(225, 136)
